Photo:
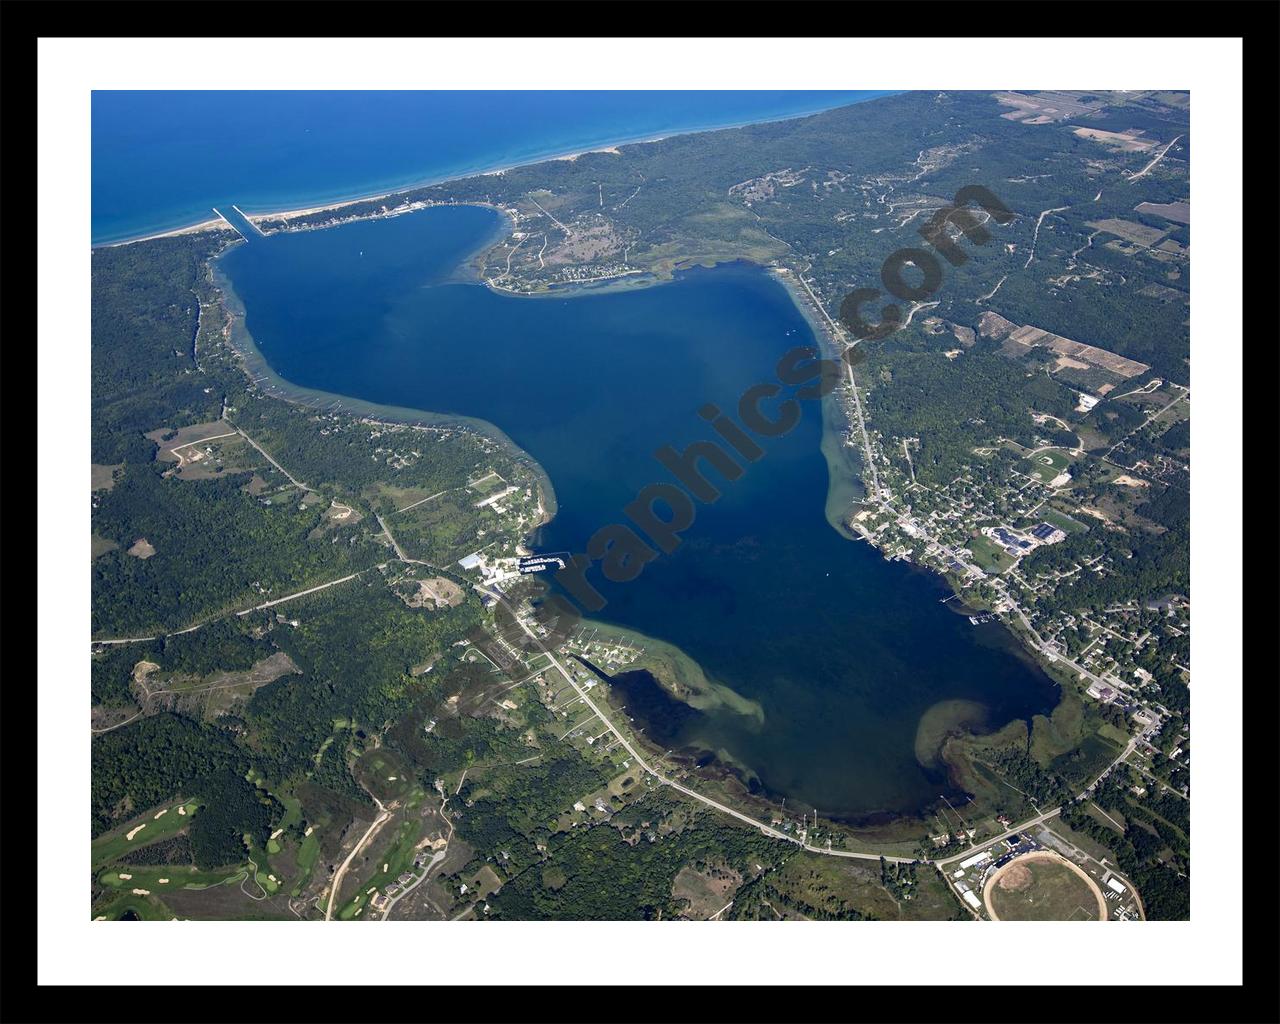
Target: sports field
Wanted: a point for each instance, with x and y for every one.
(1043, 886)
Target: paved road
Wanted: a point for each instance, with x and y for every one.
(1003, 835)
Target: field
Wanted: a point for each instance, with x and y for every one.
(1120, 140)
(1062, 521)
(1046, 465)
(1042, 886)
(1179, 212)
(706, 892)
(1130, 231)
(989, 555)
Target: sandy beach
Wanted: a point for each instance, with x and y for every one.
(257, 216)
(212, 224)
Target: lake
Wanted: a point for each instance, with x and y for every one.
(843, 652)
(162, 159)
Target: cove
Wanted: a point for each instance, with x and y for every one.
(842, 652)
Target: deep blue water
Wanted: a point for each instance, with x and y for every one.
(844, 651)
(163, 159)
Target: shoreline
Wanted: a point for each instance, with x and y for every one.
(845, 485)
(259, 371)
(667, 664)
(212, 224)
(254, 213)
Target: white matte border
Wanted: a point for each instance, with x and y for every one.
(73, 950)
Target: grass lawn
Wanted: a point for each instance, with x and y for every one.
(989, 555)
(1062, 521)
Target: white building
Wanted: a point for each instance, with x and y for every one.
(977, 858)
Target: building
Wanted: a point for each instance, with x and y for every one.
(971, 898)
(1013, 544)
(977, 858)
(1047, 534)
(1115, 885)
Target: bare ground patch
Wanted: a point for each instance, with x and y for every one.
(141, 548)
(208, 696)
(434, 593)
(706, 890)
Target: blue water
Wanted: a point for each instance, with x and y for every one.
(843, 651)
(163, 159)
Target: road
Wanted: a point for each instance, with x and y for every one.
(567, 232)
(1046, 815)
(693, 794)
(263, 452)
(300, 593)
(1003, 835)
(837, 336)
(1158, 158)
(1057, 658)
(662, 779)
(182, 458)
(223, 615)
(1036, 236)
(436, 859)
(383, 816)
